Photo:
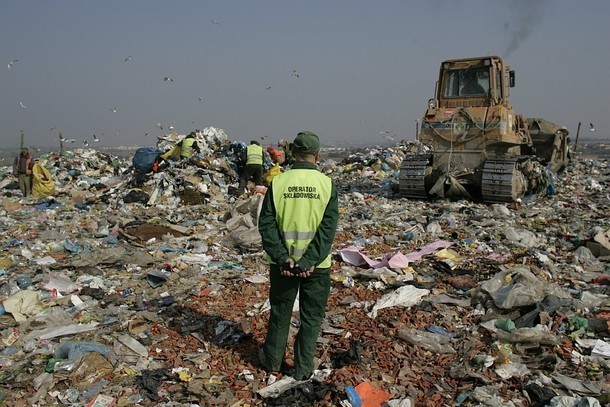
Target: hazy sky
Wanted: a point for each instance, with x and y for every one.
(363, 66)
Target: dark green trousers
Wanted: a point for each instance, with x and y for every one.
(314, 292)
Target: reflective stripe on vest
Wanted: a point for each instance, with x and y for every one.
(254, 154)
(186, 150)
(300, 197)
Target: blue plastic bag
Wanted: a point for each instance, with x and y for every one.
(144, 158)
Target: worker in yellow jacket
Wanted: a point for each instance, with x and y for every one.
(254, 166)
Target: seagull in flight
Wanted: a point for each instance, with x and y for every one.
(168, 79)
(171, 127)
(295, 73)
(127, 59)
(53, 128)
(268, 88)
(159, 125)
(113, 110)
(22, 105)
(214, 21)
(85, 143)
(97, 140)
(10, 64)
(200, 99)
(591, 127)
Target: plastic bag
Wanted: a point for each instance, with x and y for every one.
(42, 184)
(427, 340)
(272, 173)
(175, 151)
(144, 158)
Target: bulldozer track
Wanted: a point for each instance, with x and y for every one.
(501, 180)
(412, 176)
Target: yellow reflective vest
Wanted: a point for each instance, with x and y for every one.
(254, 154)
(186, 149)
(300, 197)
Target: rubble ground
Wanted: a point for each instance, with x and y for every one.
(116, 294)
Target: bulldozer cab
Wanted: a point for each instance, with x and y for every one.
(466, 82)
(480, 81)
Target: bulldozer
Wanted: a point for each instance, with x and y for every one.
(479, 148)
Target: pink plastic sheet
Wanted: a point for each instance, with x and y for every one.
(353, 255)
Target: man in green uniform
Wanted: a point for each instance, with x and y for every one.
(297, 224)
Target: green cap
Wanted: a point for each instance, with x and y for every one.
(306, 142)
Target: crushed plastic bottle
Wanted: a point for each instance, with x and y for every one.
(353, 396)
(23, 281)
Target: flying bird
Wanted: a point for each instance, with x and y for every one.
(22, 105)
(386, 135)
(127, 59)
(69, 140)
(96, 139)
(85, 143)
(295, 74)
(171, 128)
(145, 134)
(214, 21)
(35, 149)
(591, 127)
(113, 110)
(268, 88)
(53, 128)
(200, 99)
(168, 79)
(10, 64)
(159, 125)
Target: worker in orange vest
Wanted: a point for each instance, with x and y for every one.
(277, 156)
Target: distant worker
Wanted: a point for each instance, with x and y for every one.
(22, 169)
(188, 145)
(237, 157)
(254, 166)
(276, 155)
(297, 223)
(471, 85)
(287, 147)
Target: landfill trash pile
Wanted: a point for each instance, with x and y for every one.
(115, 294)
